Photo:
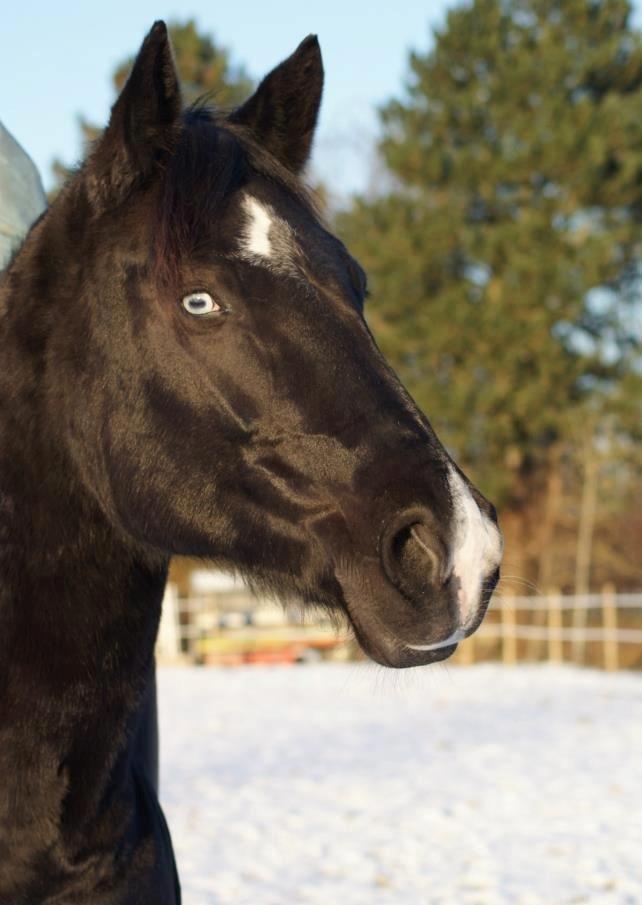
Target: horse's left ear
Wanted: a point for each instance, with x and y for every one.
(282, 113)
(144, 121)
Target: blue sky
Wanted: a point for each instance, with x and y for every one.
(56, 59)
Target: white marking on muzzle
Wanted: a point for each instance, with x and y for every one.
(476, 550)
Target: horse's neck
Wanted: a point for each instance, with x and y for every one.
(79, 608)
(64, 568)
(67, 575)
(79, 602)
(83, 603)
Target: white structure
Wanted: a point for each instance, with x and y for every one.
(168, 642)
(22, 198)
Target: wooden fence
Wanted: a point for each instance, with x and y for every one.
(594, 629)
(599, 630)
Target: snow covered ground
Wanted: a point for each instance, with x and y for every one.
(350, 785)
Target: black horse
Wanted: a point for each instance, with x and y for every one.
(186, 370)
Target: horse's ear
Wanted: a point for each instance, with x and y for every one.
(282, 113)
(144, 121)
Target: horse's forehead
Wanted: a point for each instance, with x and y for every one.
(287, 240)
(259, 220)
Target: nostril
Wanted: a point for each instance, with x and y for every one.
(414, 550)
(413, 557)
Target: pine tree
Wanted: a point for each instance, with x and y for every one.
(505, 247)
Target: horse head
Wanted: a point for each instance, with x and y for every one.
(218, 390)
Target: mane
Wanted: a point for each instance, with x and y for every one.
(212, 160)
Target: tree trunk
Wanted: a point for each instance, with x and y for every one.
(585, 529)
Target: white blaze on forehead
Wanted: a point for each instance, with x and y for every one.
(256, 236)
(476, 551)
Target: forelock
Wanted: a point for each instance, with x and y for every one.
(207, 166)
(213, 161)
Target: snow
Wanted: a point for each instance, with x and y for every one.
(349, 785)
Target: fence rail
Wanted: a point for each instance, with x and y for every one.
(602, 629)
(549, 615)
(569, 602)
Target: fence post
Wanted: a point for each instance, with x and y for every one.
(609, 621)
(555, 644)
(467, 651)
(168, 642)
(537, 618)
(580, 620)
(509, 637)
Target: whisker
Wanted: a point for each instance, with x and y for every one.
(519, 580)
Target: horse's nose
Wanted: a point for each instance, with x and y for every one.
(413, 555)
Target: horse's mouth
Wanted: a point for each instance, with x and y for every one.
(389, 651)
(385, 646)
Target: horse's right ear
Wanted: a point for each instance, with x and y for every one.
(282, 113)
(144, 123)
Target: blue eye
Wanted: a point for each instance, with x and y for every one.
(200, 303)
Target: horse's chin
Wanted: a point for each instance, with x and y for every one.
(387, 650)
(396, 646)
(393, 632)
